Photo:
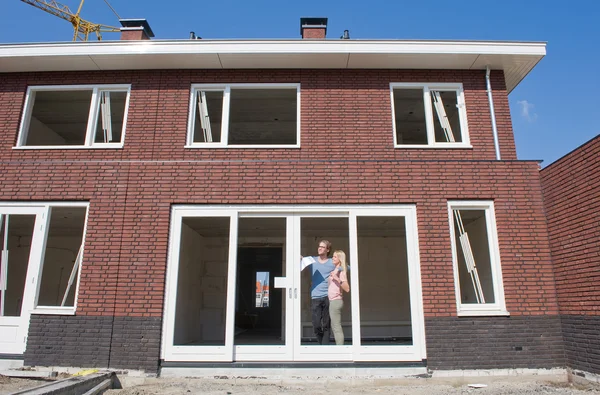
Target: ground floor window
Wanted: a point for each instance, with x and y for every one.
(42, 252)
(476, 256)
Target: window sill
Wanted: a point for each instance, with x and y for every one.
(217, 145)
(69, 147)
(437, 146)
(483, 313)
(41, 310)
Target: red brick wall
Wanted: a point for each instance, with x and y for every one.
(346, 137)
(342, 111)
(134, 35)
(571, 188)
(313, 33)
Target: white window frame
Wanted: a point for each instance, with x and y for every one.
(92, 117)
(430, 113)
(226, 89)
(498, 308)
(38, 266)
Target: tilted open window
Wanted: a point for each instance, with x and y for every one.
(62, 256)
(429, 115)
(74, 116)
(244, 115)
(476, 257)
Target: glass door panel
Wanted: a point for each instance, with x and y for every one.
(16, 235)
(199, 302)
(315, 338)
(200, 315)
(388, 309)
(20, 241)
(263, 296)
(385, 316)
(259, 307)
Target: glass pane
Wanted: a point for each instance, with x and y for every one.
(318, 322)
(385, 316)
(475, 227)
(209, 115)
(65, 237)
(59, 117)
(449, 102)
(200, 312)
(262, 289)
(16, 233)
(259, 308)
(111, 113)
(409, 111)
(263, 116)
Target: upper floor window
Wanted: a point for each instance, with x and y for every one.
(74, 116)
(429, 115)
(244, 115)
(476, 256)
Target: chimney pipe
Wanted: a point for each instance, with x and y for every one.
(313, 28)
(346, 35)
(135, 29)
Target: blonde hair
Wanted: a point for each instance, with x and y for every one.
(342, 257)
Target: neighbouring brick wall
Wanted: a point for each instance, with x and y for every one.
(494, 342)
(571, 188)
(582, 341)
(99, 342)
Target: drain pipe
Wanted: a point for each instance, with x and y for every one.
(492, 112)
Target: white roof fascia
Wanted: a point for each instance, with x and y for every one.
(517, 59)
(273, 47)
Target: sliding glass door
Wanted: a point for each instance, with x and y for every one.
(237, 291)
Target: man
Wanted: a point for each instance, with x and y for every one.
(321, 267)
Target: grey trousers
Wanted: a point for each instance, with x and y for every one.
(335, 312)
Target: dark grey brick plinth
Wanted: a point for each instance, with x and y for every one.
(85, 341)
(582, 342)
(136, 343)
(494, 342)
(57, 340)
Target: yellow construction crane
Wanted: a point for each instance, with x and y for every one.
(82, 27)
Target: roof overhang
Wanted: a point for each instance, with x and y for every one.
(517, 59)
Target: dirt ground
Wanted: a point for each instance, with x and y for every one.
(496, 386)
(527, 385)
(8, 385)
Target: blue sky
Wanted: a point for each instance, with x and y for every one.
(555, 109)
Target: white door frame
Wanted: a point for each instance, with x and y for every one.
(282, 352)
(13, 330)
(293, 350)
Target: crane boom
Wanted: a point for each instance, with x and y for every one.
(52, 7)
(81, 27)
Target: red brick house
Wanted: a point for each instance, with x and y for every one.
(146, 183)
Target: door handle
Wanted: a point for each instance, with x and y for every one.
(290, 292)
(296, 293)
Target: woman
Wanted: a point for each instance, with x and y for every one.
(338, 281)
